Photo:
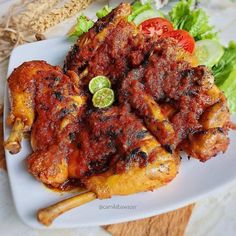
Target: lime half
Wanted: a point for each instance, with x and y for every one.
(98, 83)
(103, 98)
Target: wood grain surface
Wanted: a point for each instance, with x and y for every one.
(172, 223)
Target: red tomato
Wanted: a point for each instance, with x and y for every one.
(183, 37)
(156, 25)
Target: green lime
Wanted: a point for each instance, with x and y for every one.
(98, 83)
(103, 98)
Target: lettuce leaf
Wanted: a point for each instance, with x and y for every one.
(225, 75)
(229, 88)
(226, 65)
(82, 26)
(195, 21)
(103, 12)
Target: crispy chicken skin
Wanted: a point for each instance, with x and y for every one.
(156, 174)
(164, 103)
(206, 144)
(212, 138)
(49, 167)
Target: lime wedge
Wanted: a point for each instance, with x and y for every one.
(98, 83)
(208, 52)
(103, 98)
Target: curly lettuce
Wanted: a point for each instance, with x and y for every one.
(225, 75)
(229, 88)
(226, 65)
(195, 21)
(103, 12)
(82, 26)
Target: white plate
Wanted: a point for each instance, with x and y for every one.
(195, 179)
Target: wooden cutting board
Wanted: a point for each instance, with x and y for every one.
(170, 224)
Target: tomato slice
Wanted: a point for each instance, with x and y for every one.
(156, 25)
(184, 39)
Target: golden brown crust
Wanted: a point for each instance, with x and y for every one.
(206, 144)
(136, 179)
(51, 167)
(22, 91)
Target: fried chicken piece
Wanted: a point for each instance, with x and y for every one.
(161, 171)
(113, 140)
(40, 93)
(88, 44)
(118, 51)
(191, 92)
(185, 87)
(49, 167)
(156, 174)
(58, 102)
(22, 91)
(134, 93)
(143, 165)
(206, 144)
(213, 137)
